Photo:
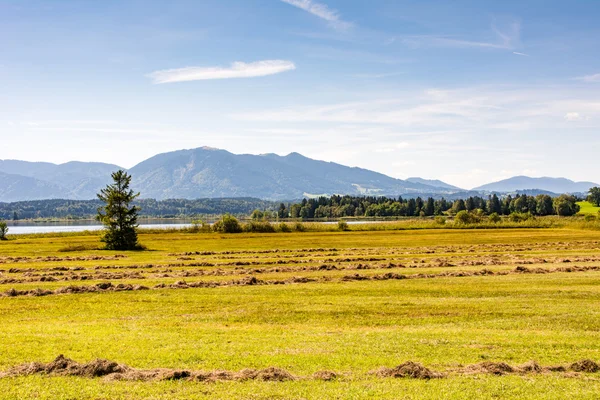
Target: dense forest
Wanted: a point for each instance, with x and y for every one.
(149, 208)
(350, 206)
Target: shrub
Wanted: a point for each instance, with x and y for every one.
(259, 227)
(519, 217)
(465, 218)
(342, 225)
(566, 205)
(494, 218)
(283, 227)
(199, 225)
(3, 230)
(590, 218)
(440, 220)
(227, 224)
(299, 227)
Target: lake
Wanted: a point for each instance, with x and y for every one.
(22, 228)
(17, 228)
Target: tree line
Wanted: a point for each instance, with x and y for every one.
(78, 209)
(371, 206)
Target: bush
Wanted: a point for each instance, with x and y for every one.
(299, 227)
(342, 225)
(465, 218)
(227, 224)
(519, 217)
(283, 227)
(494, 218)
(440, 220)
(199, 225)
(566, 205)
(3, 230)
(590, 218)
(259, 227)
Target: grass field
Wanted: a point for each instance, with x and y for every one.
(588, 208)
(345, 302)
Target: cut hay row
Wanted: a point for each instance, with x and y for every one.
(105, 287)
(113, 371)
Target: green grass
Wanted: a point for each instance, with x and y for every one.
(588, 208)
(348, 327)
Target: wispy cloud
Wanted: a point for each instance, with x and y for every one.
(322, 11)
(507, 109)
(520, 54)
(589, 78)
(507, 39)
(236, 70)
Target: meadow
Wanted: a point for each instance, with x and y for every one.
(588, 208)
(305, 315)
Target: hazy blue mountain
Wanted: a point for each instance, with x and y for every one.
(78, 180)
(17, 187)
(206, 172)
(213, 173)
(434, 183)
(555, 185)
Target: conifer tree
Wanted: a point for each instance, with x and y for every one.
(3, 230)
(118, 216)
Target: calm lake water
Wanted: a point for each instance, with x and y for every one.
(80, 226)
(21, 228)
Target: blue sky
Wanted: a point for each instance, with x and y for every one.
(464, 91)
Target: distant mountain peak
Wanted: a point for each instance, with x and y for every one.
(522, 182)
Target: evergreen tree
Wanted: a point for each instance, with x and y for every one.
(429, 207)
(470, 204)
(282, 212)
(3, 230)
(117, 216)
(495, 206)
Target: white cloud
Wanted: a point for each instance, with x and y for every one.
(322, 11)
(520, 54)
(572, 116)
(589, 78)
(237, 70)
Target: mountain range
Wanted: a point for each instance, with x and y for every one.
(213, 173)
(554, 185)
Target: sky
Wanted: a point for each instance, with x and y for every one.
(465, 91)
